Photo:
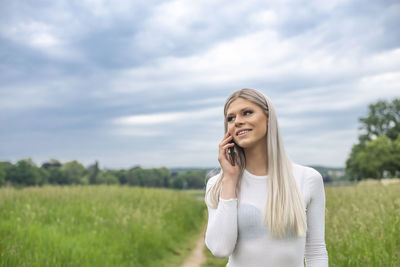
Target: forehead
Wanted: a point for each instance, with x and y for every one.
(238, 104)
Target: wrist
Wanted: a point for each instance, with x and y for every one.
(229, 179)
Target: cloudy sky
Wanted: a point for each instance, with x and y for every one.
(144, 82)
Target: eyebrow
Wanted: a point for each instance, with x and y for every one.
(240, 110)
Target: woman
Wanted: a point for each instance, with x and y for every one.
(263, 209)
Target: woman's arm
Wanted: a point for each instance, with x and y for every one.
(221, 233)
(316, 254)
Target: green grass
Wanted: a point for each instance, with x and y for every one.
(97, 226)
(362, 227)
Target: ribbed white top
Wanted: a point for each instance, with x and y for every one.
(236, 230)
(250, 175)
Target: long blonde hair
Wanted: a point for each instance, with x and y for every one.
(284, 211)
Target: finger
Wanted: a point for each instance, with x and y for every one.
(226, 140)
(228, 145)
(223, 158)
(224, 149)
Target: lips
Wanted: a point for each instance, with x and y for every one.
(242, 130)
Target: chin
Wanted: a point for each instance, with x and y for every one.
(248, 143)
(244, 144)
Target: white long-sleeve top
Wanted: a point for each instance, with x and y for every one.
(237, 231)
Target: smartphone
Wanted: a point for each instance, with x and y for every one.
(232, 153)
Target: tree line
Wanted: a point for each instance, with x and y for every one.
(26, 173)
(377, 153)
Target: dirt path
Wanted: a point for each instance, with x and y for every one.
(196, 258)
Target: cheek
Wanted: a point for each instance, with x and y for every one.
(261, 124)
(259, 121)
(231, 130)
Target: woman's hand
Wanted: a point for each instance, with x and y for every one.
(230, 172)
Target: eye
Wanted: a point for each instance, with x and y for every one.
(228, 119)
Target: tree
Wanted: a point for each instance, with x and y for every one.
(376, 157)
(394, 167)
(74, 172)
(195, 179)
(44, 176)
(57, 176)
(26, 172)
(107, 178)
(2, 176)
(121, 174)
(353, 165)
(383, 119)
(136, 176)
(377, 152)
(8, 168)
(163, 176)
(178, 182)
(93, 173)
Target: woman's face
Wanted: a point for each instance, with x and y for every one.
(247, 123)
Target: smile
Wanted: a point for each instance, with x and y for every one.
(243, 133)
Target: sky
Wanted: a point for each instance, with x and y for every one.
(144, 83)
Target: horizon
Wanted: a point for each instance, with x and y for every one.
(150, 167)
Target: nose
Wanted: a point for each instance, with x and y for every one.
(238, 121)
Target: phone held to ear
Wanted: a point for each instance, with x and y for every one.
(232, 153)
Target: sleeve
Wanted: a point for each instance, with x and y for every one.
(221, 232)
(316, 254)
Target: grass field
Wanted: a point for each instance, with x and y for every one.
(97, 226)
(362, 227)
(130, 226)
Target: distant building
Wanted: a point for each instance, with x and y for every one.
(48, 165)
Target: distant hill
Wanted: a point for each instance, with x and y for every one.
(329, 174)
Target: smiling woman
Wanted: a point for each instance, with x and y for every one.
(263, 209)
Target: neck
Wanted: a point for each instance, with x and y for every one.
(257, 159)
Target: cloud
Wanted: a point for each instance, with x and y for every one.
(133, 77)
(166, 122)
(150, 119)
(41, 37)
(321, 148)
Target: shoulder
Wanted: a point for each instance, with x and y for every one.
(212, 180)
(210, 198)
(310, 175)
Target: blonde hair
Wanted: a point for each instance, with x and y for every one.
(284, 211)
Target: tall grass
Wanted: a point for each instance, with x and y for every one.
(362, 227)
(96, 226)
